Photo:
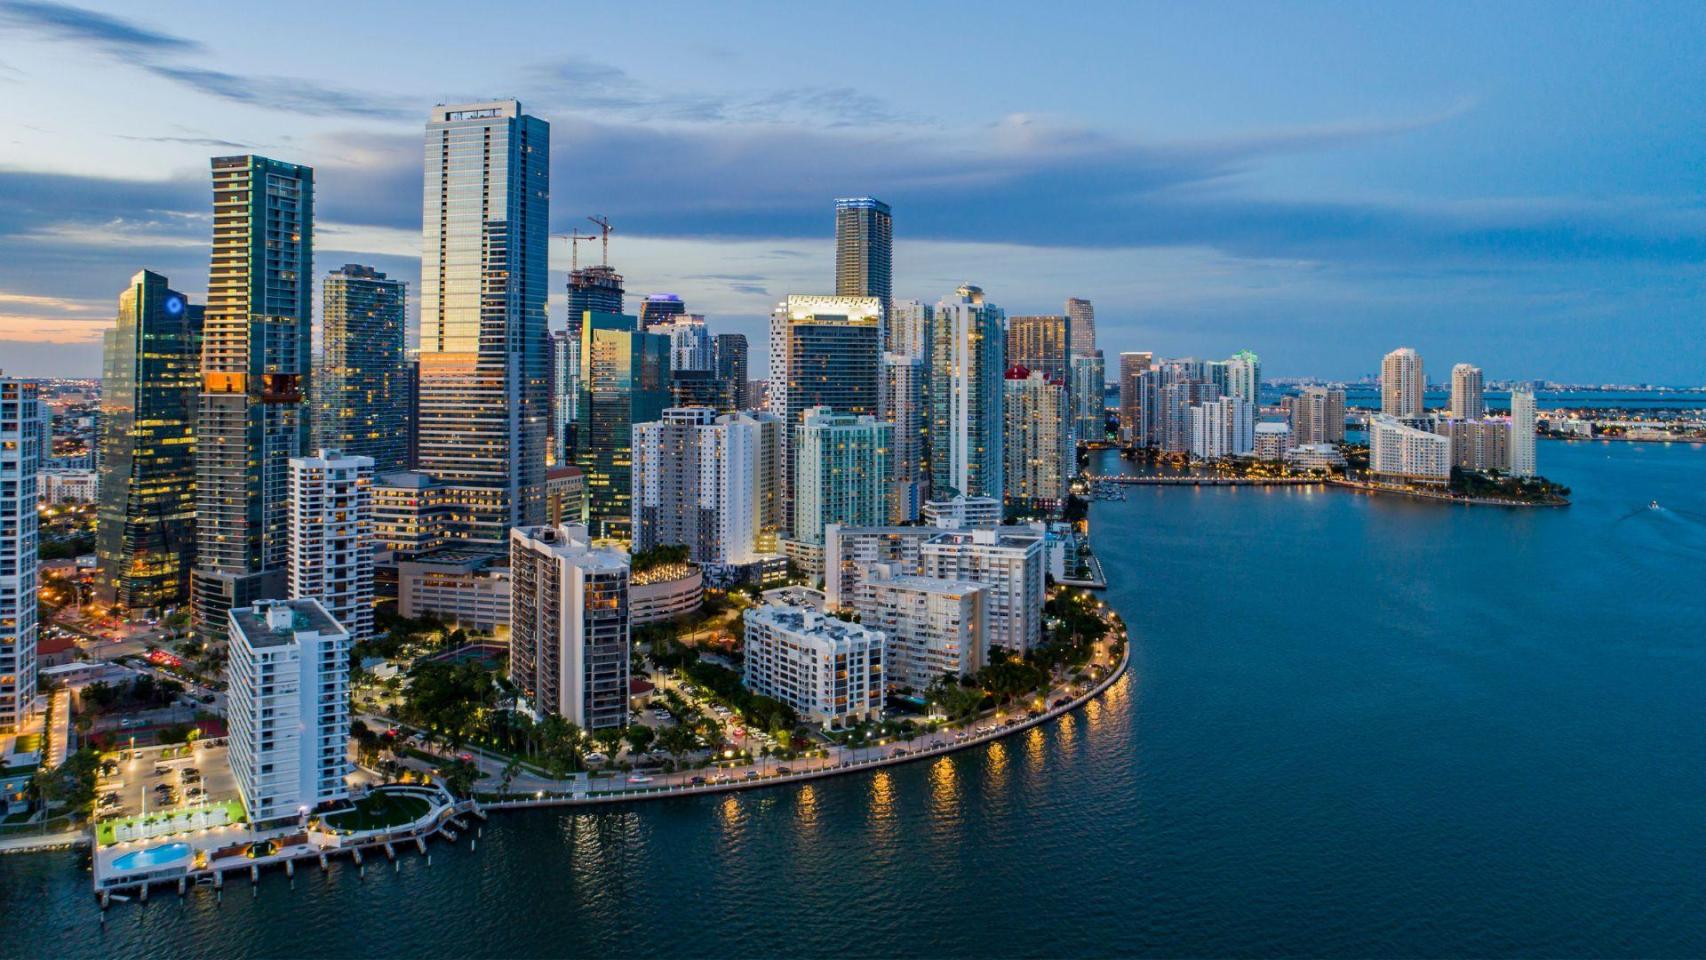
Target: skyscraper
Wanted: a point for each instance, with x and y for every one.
(1468, 399)
(703, 481)
(689, 342)
(1317, 415)
(596, 288)
(841, 472)
(909, 329)
(565, 390)
(1522, 433)
(1244, 377)
(255, 364)
(905, 404)
(145, 534)
(1133, 365)
(1221, 428)
(1041, 343)
(361, 402)
(967, 364)
(624, 380)
(1089, 408)
(1402, 383)
(730, 353)
(332, 537)
(1041, 457)
(22, 433)
(1082, 315)
(864, 249)
(660, 308)
(485, 399)
(569, 625)
(824, 351)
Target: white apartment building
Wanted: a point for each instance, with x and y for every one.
(1400, 452)
(709, 483)
(961, 511)
(1522, 433)
(1222, 428)
(288, 707)
(1315, 456)
(332, 537)
(841, 472)
(830, 671)
(22, 426)
(1402, 383)
(1272, 441)
(933, 626)
(1009, 561)
(1468, 397)
(1041, 455)
(568, 647)
(70, 486)
(904, 401)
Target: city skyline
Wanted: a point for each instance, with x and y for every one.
(1313, 221)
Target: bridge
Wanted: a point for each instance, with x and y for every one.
(1126, 478)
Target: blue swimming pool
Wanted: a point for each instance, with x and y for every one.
(164, 855)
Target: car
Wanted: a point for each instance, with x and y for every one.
(639, 778)
(195, 793)
(902, 752)
(597, 758)
(752, 774)
(784, 771)
(697, 781)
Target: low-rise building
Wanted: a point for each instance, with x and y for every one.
(462, 587)
(665, 591)
(287, 705)
(1399, 452)
(69, 486)
(933, 627)
(830, 671)
(961, 511)
(1273, 441)
(1321, 457)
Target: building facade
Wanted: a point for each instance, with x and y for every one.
(1223, 428)
(23, 433)
(1402, 383)
(1401, 453)
(1089, 405)
(831, 672)
(704, 481)
(624, 381)
(864, 249)
(484, 407)
(905, 403)
(1317, 415)
(841, 472)
(332, 543)
(729, 350)
(1468, 394)
(146, 519)
(968, 362)
(1041, 456)
(1081, 313)
(287, 705)
(1041, 343)
(252, 415)
(1522, 433)
(361, 386)
(1272, 441)
(569, 650)
(933, 628)
(1133, 365)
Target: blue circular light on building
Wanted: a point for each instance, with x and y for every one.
(174, 305)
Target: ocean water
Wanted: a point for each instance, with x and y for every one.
(1354, 726)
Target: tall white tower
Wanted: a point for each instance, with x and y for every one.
(331, 537)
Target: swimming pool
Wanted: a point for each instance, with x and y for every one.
(164, 855)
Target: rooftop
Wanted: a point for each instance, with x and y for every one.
(304, 616)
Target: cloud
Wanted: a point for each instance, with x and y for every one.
(63, 22)
(159, 54)
(190, 141)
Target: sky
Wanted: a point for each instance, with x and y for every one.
(1516, 185)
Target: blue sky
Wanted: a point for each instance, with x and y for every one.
(1517, 184)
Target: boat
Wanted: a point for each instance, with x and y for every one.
(1653, 505)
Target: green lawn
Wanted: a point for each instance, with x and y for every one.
(377, 811)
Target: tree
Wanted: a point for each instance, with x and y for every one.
(610, 738)
(639, 737)
(677, 741)
(459, 776)
(446, 699)
(510, 770)
(72, 783)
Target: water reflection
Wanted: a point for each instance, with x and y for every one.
(944, 789)
(881, 818)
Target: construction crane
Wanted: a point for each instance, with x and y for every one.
(575, 237)
(604, 229)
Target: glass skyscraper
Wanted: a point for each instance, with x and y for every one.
(864, 249)
(484, 394)
(253, 416)
(145, 535)
(968, 363)
(624, 380)
(730, 352)
(361, 388)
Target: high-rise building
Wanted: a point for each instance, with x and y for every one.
(565, 496)
(23, 432)
(565, 390)
(689, 342)
(909, 330)
(841, 472)
(968, 361)
(1175, 400)
(145, 534)
(1477, 444)
(1010, 563)
(824, 352)
(933, 628)
(659, 309)
(905, 402)
(253, 414)
(1273, 441)
(1244, 377)
(1041, 457)
(360, 397)
(1222, 428)
(1402, 383)
(1398, 452)
(332, 540)
(1317, 415)
(703, 481)
(1041, 343)
(1089, 405)
(597, 289)
(569, 652)
(1522, 433)
(829, 671)
(1133, 364)
(701, 388)
(729, 350)
(1468, 398)
(864, 249)
(287, 704)
(1082, 316)
(485, 415)
(624, 380)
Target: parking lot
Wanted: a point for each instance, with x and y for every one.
(136, 782)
